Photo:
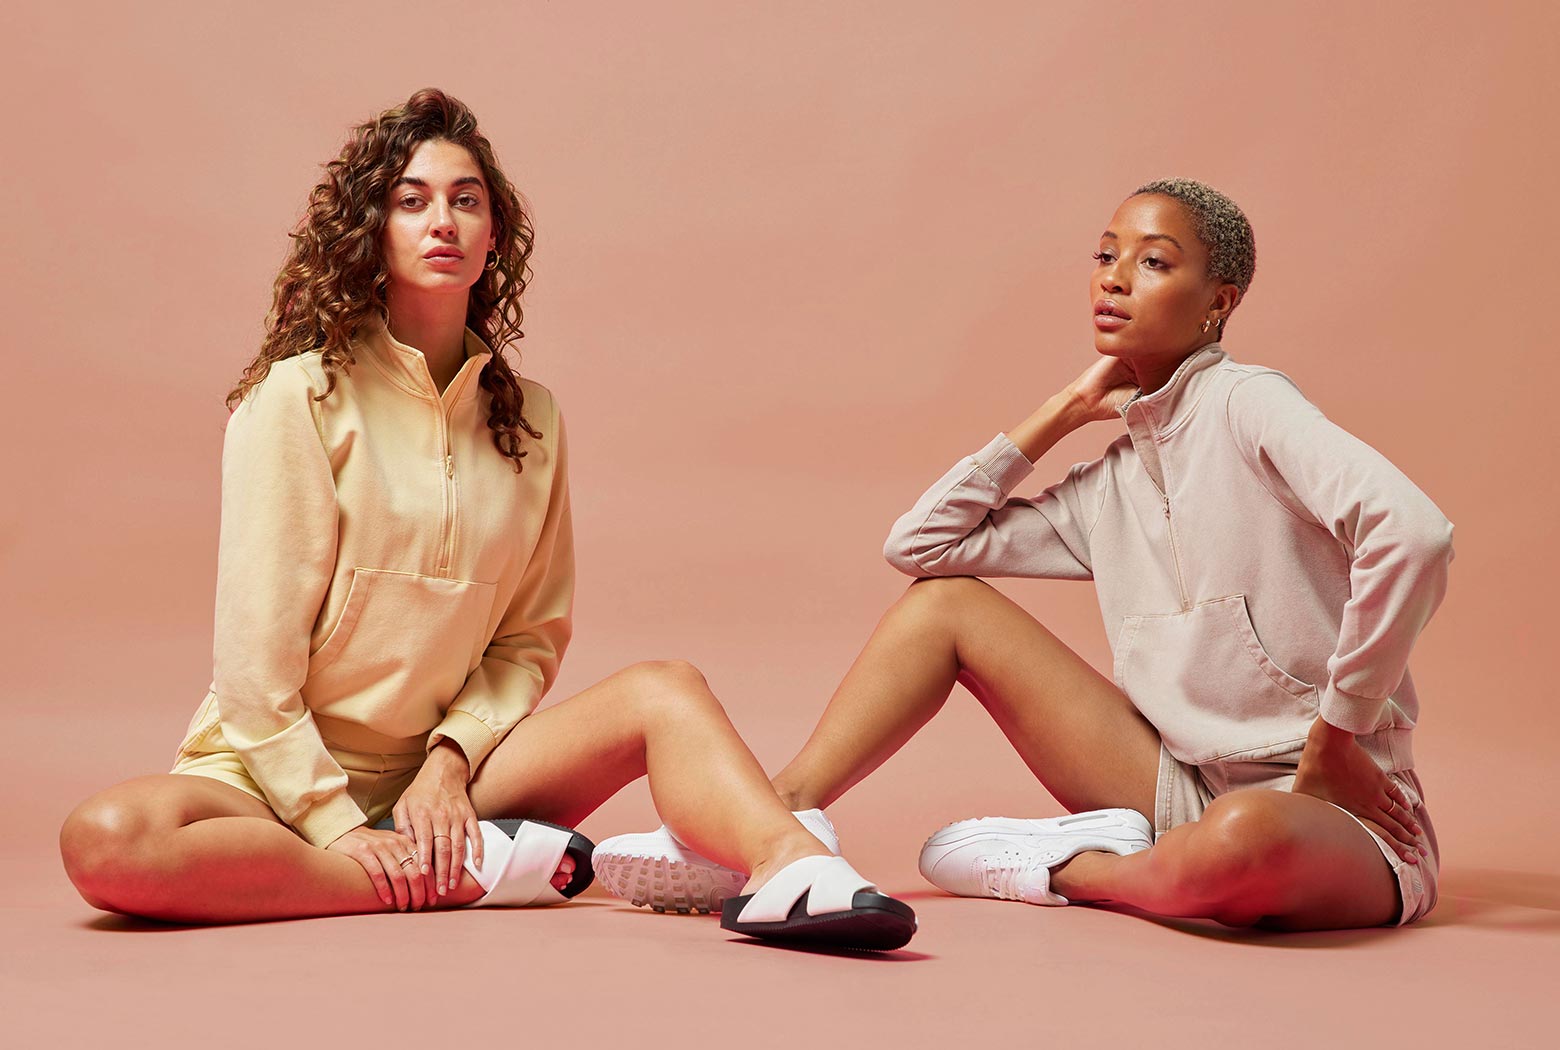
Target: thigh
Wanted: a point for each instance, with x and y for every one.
(1074, 729)
(135, 812)
(1333, 874)
(561, 763)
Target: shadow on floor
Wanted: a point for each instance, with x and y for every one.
(1498, 898)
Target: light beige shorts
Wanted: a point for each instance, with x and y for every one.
(1184, 792)
(375, 782)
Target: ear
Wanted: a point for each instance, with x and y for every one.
(1225, 298)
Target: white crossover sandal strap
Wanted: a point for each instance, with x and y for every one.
(830, 883)
(517, 872)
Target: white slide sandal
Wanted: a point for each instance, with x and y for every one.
(520, 857)
(821, 902)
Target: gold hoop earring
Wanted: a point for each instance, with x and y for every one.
(492, 264)
(1207, 323)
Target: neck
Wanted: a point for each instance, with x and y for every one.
(1152, 373)
(435, 325)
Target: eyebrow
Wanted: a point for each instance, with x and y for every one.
(412, 180)
(1147, 237)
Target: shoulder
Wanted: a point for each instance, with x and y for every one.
(1260, 401)
(290, 384)
(289, 380)
(541, 409)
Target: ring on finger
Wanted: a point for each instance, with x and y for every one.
(436, 838)
(407, 860)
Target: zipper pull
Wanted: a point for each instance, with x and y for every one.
(1167, 505)
(449, 472)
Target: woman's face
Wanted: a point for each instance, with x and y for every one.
(439, 222)
(1150, 290)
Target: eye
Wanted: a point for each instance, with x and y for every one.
(1154, 263)
(410, 201)
(1104, 257)
(467, 200)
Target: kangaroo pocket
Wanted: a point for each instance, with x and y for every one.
(400, 652)
(1205, 682)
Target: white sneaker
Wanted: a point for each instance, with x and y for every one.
(1011, 859)
(655, 869)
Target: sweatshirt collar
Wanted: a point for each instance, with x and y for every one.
(406, 367)
(1168, 407)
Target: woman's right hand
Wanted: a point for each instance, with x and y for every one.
(390, 859)
(1103, 388)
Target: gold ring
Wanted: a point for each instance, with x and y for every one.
(436, 838)
(408, 860)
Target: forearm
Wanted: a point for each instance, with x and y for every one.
(1049, 423)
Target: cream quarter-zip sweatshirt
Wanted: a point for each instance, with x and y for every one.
(385, 579)
(1256, 565)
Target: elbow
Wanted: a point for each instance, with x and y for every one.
(897, 554)
(1433, 540)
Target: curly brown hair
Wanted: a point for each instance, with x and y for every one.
(335, 277)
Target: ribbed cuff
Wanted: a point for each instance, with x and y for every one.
(469, 732)
(1357, 714)
(1004, 464)
(329, 819)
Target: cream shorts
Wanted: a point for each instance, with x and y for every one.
(375, 782)
(1184, 792)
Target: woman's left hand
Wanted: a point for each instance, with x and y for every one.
(436, 813)
(1335, 768)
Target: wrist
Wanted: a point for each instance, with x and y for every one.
(1325, 736)
(448, 759)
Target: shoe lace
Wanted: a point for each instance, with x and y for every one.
(1008, 873)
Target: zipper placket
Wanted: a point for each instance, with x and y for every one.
(1175, 554)
(447, 479)
(451, 491)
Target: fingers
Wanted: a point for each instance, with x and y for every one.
(474, 837)
(443, 846)
(390, 857)
(1395, 822)
(376, 875)
(1402, 808)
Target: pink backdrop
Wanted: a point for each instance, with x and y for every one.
(792, 261)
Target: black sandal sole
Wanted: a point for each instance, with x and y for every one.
(875, 923)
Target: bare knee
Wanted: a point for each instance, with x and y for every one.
(1236, 862)
(101, 844)
(664, 689)
(937, 603)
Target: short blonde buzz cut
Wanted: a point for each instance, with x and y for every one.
(1221, 226)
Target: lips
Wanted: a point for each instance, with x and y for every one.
(1108, 308)
(445, 253)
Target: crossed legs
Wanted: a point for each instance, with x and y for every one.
(1267, 857)
(191, 849)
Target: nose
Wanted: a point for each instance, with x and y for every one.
(442, 218)
(1110, 280)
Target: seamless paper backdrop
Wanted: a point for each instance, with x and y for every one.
(792, 261)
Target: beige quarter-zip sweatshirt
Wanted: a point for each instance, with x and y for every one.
(1256, 565)
(385, 579)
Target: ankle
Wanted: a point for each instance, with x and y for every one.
(792, 847)
(1085, 876)
(795, 798)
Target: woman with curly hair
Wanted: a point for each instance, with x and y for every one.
(1263, 575)
(394, 589)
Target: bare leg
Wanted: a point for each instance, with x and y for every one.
(658, 718)
(191, 849)
(1256, 857)
(1074, 729)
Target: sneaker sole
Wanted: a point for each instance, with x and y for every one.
(662, 884)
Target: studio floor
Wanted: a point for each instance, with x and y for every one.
(1478, 973)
